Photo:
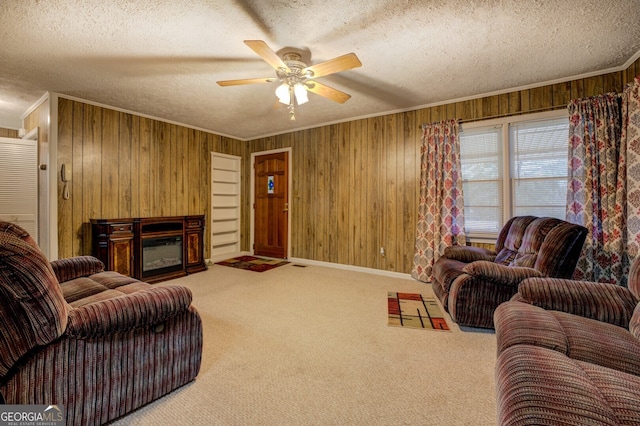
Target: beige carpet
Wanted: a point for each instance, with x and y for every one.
(311, 346)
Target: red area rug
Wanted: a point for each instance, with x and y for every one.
(252, 263)
(414, 310)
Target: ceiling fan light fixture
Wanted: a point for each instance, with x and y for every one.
(301, 93)
(284, 94)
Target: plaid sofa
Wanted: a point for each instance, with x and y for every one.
(569, 353)
(96, 342)
(471, 281)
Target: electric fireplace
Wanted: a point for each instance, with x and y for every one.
(150, 249)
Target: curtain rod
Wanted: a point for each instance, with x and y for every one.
(543, 109)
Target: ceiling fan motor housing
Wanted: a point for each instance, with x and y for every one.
(295, 75)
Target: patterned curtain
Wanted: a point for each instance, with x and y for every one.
(441, 209)
(596, 194)
(631, 137)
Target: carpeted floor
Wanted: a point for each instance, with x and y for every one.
(311, 346)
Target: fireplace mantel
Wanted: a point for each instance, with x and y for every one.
(121, 245)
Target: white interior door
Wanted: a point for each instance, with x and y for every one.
(19, 183)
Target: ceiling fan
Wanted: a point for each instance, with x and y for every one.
(297, 78)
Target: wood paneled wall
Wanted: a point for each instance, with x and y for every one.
(125, 165)
(8, 133)
(355, 190)
(39, 118)
(356, 184)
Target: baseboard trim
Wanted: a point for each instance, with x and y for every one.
(351, 268)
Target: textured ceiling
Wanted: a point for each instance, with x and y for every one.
(163, 58)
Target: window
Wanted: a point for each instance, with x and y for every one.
(532, 149)
(481, 164)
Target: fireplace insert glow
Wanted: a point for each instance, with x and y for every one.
(161, 255)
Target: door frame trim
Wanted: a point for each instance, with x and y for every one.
(253, 196)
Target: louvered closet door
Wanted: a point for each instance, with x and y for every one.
(19, 183)
(225, 205)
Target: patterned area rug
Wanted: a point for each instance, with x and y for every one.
(414, 310)
(251, 263)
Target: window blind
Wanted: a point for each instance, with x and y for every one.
(538, 159)
(482, 175)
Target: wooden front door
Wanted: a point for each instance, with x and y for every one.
(271, 205)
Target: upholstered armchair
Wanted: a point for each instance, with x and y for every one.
(587, 321)
(95, 342)
(471, 281)
(573, 345)
(603, 302)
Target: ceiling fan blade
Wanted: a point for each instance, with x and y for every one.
(266, 53)
(246, 81)
(341, 63)
(327, 92)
